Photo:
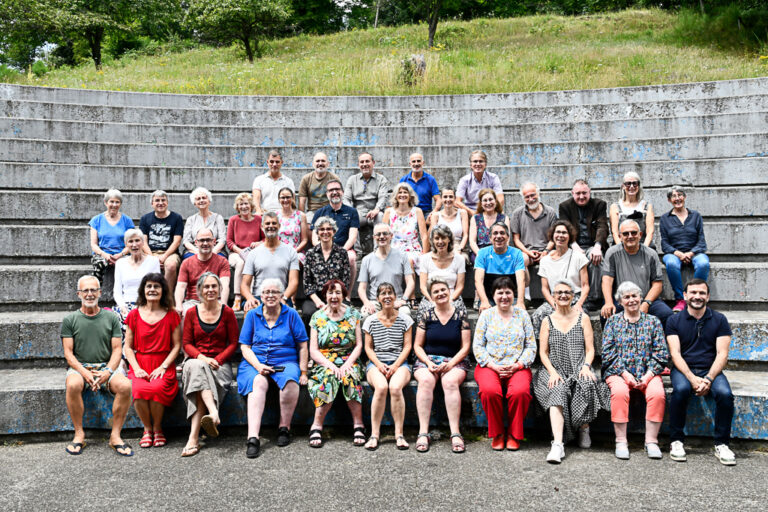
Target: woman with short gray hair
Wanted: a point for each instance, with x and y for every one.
(325, 261)
(444, 263)
(129, 272)
(202, 198)
(107, 234)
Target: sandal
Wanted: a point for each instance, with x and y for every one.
(209, 426)
(316, 438)
(404, 445)
(159, 440)
(372, 444)
(146, 439)
(457, 443)
(77, 448)
(422, 442)
(358, 438)
(237, 304)
(190, 451)
(127, 451)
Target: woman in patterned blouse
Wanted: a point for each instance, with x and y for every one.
(324, 262)
(504, 347)
(634, 355)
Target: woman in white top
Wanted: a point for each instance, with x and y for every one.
(129, 272)
(456, 219)
(563, 262)
(442, 261)
(631, 205)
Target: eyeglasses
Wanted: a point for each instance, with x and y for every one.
(270, 292)
(205, 240)
(477, 161)
(89, 291)
(630, 184)
(333, 190)
(629, 233)
(285, 198)
(562, 293)
(381, 235)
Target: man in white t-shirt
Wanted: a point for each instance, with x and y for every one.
(267, 186)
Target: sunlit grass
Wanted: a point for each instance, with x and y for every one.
(481, 56)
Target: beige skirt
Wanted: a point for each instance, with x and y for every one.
(198, 376)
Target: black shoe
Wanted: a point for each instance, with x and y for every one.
(253, 449)
(283, 436)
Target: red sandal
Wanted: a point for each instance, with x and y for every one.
(146, 439)
(159, 440)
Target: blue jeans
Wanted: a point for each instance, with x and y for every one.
(678, 405)
(673, 264)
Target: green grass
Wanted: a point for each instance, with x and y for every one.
(637, 47)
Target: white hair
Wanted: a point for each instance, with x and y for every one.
(627, 287)
(113, 193)
(131, 233)
(272, 281)
(197, 192)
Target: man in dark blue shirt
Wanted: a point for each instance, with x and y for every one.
(347, 223)
(698, 339)
(163, 230)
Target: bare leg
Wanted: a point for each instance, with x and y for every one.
(120, 387)
(256, 400)
(194, 428)
(379, 401)
(451, 382)
(557, 421)
(289, 397)
(652, 431)
(396, 384)
(156, 410)
(356, 409)
(210, 404)
(142, 409)
(424, 396)
(317, 423)
(74, 398)
(621, 432)
(171, 273)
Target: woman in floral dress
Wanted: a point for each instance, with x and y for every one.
(406, 220)
(294, 229)
(335, 345)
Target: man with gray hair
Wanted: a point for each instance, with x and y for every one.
(163, 230)
(196, 265)
(312, 188)
(267, 186)
(272, 259)
(635, 262)
(367, 192)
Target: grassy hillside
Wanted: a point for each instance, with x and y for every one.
(482, 56)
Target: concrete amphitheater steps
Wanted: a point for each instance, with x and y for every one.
(538, 132)
(734, 145)
(405, 116)
(32, 401)
(666, 92)
(601, 175)
(40, 206)
(51, 243)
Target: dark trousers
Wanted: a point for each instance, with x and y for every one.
(678, 405)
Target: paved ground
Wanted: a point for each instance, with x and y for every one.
(40, 476)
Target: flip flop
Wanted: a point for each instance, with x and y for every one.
(209, 426)
(77, 448)
(124, 447)
(190, 451)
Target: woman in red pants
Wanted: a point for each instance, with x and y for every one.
(504, 346)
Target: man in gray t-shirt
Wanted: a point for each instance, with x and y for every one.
(272, 259)
(385, 265)
(634, 262)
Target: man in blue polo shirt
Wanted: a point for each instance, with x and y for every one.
(347, 223)
(424, 184)
(499, 260)
(698, 339)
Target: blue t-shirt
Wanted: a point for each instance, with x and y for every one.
(698, 338)
(503, 264)
(346, 217)
(111, 237)
(426, 188)
(160, 232)
(278, 344)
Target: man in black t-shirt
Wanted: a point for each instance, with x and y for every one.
(163, 230)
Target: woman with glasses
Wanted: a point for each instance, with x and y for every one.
(631, 205)
(294, 229)
(565, 384)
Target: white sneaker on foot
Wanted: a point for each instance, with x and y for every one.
(556, 453)
(653, 450)
(622, 451)
(584, 440)
(677, 451)
(725, 455)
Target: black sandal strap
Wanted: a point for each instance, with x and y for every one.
(316, 432)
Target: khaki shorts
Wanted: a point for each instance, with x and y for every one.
(173, 257)
(100, 367)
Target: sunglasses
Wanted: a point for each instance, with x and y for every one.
(630, 233)
(630, 184)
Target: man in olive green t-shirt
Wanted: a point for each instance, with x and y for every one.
(312, 188)
(93, 347)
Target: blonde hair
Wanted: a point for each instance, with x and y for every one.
(478, 152)
(248, 197)
(623, 192)
(412, 199)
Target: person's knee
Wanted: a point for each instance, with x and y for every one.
(701, 263)
(75, 383)
(395, 388)
(681, 388)
(450, 386)
(121, 388)
(352, 257)
(260, 383)
(672, 262)
(620, 393)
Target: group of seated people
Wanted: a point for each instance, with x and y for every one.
(169, 305)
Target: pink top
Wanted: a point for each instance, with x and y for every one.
(242, 233)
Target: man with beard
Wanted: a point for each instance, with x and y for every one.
(698, 339)
(272, 259)
(196, 265)
(368, 193)
(347, 224)
(313, 185)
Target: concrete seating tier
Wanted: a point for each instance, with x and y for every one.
(61, 148)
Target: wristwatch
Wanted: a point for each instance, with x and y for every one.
(164, 367)
(647, 301)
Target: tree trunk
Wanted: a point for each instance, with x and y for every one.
(376, 19)
(433, 16)
(701, 6)
(94, 37)
(248, 50)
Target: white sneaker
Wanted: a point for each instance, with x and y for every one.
(584, 440)
(725, 455)
(556, 453)
(622, 451)
(653, 450)
(677, 451)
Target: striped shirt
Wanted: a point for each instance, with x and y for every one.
(387, 341)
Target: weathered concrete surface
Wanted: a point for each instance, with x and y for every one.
(346, 134)
(33, 401)
(408, 115)
(546, 98)
(636, 150)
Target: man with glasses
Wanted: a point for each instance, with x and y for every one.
(367, 192)
(313, 186)
(163, 230)
(424, 184)
(385, 265)
(698, 339)
(347, 224)
(497, 260)
(635, 262)
(92, 342)
(195, 266)
(267, 186)
(272, 259)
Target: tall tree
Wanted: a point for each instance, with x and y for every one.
(247, 21)
(433, 15)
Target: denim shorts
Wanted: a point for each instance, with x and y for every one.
(370, 365)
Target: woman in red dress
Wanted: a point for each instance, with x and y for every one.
(152, 342)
